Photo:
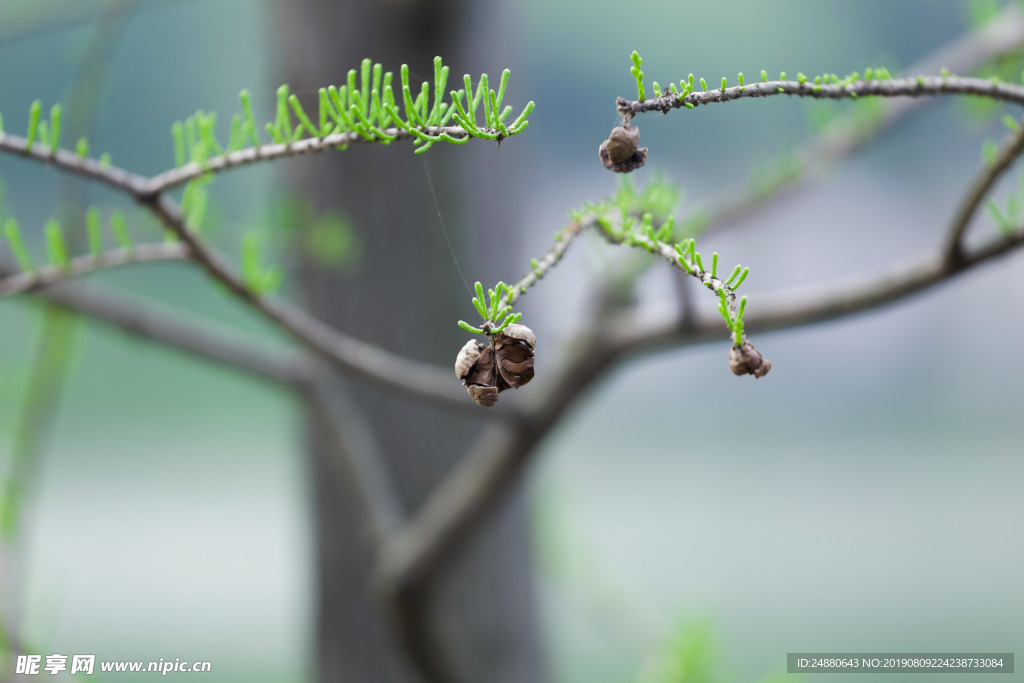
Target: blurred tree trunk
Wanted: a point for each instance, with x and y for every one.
(406, 294)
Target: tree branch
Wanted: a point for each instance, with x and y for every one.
(419, 380)
(177, 332)
(896, 87)
(410, 559)
(548, 261)
(999, 36)
(496, 462)
(50, 275)
(179, 176)
(1008, 152)
(675, 258)
(112, 176)
(492, 467)
(815, 305)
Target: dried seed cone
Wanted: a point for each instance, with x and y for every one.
(507, 364)
(746, 360)
(621, 152)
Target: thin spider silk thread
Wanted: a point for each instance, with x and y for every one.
(444, 231)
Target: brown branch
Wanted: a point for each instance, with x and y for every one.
(147, 188)
(410, 559)
(178, 332)
(896, 87)
(251, 155)
(117, 178)
(420, 380)
(998, 37)
(550, 259)
(493, 465)
(51, 275)
(496, 462)
(1008, 153)
(815, 305)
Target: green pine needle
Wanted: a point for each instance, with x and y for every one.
(33, 124)
(119, 226)
(743, 276)
(17, 244)
(55, 244)
(250, 122)
(56, 114)
(178, 132)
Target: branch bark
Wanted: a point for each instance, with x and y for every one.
(492, 467)
(179, 176)
(412, 557)
(416, 379)
(982, 185)
(815, 305)
(82, 265)
(896, 87)
(177, 332)
(1001, 35)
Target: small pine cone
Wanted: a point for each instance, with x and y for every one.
(488, 370)
(746, 360)
(622, 152)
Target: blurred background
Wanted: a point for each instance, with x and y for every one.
(863, 497)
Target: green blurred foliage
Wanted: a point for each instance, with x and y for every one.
(329, 239)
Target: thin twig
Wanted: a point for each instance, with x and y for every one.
(1011, 148)
(494, 465)
(548, 261)
(110, 175)
(144, 187)
(251, 155)
(653, 246)
(896, 87)
(816, 305)
(850, 134)
(707, 278)
(417, 379)
(81, 265)
(176, 331)
(491, 468)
